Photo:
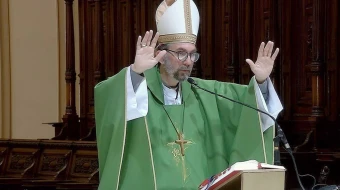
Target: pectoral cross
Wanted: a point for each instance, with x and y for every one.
(177, 150)
(181, 142)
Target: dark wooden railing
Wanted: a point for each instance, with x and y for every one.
(48, 164)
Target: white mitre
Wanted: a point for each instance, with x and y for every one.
(177, 21)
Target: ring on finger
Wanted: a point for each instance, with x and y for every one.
(144, 45)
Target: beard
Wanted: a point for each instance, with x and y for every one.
(181, 74)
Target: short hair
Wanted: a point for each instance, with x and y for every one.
(161, 47)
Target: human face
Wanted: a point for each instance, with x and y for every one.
(179, 70)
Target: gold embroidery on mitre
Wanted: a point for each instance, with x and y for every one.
(174, 38)
(187, 15)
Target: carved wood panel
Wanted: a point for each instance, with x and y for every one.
(21, 162)
(46, 164)
(53, 163)
(3, 155)
(85, 163)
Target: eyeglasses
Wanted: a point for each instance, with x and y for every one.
(183, 55)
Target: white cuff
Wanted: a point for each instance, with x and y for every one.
(136, 102)
(274, 106)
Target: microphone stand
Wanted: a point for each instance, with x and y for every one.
(280, 134)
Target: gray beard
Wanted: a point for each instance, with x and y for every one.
(175, 72)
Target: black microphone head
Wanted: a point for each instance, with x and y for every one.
(191, 81)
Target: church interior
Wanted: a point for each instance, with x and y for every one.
(53, 53)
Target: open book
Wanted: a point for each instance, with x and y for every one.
(232, 171)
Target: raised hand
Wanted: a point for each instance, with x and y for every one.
(145, 58)
(264, 63)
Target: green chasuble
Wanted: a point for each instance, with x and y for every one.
(145, 153)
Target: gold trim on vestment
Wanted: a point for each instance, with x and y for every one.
(153, 166)
(125, 122)
(273, 144)
(177, 38)
(187, 15)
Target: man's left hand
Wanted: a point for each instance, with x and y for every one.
(264, 63)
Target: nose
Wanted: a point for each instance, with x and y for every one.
(188, 61)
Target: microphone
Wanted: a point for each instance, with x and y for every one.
(280, 134)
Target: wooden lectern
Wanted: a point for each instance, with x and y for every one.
(262, 179)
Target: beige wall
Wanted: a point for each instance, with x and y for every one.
(32, 55)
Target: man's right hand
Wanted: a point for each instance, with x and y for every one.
(145, 52)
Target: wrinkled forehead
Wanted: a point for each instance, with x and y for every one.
(183, 46)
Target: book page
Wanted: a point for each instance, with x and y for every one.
(238, 166)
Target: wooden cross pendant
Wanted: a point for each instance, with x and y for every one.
(181, 142)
